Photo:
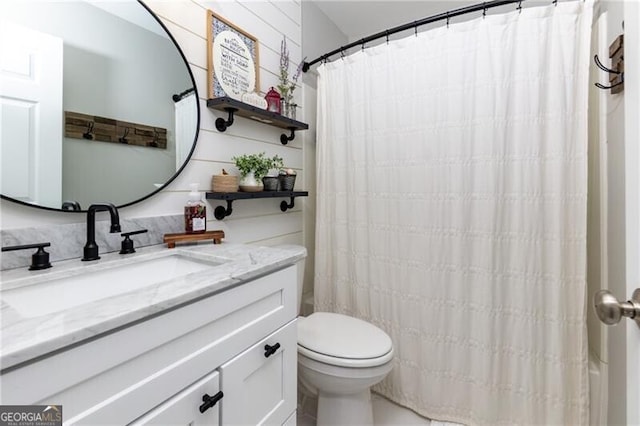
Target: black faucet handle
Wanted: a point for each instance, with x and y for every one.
(128, 234)
(127, 244)
(39, 259)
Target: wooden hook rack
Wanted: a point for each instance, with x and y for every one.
(103, 129)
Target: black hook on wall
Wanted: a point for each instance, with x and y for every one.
(156, 136)
(123, 139)
(89, 133)
(610, 71)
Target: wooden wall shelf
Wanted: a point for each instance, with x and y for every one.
(235, 107)
(221, 212)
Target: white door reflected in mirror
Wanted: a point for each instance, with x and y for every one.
(30, 111)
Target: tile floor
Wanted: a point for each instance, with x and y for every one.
(385, 413)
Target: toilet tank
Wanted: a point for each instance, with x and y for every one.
(300, 270)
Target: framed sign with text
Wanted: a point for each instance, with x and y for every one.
(232, 59)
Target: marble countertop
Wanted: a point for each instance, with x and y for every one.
(26, 337)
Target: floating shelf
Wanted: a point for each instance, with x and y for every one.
(235, 107)
(220, 212)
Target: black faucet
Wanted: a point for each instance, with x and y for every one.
(91, 248)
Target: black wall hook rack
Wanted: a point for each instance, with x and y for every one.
(221, 212)
(236, 108)
(616, 71)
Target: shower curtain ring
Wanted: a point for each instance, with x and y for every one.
(484, 10)
(447, 19)
(519, 8)
(387, 32)
(342, 53)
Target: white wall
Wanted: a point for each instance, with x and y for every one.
(314, 22)
(252, 221)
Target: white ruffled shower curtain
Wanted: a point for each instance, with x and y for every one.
(451, 212)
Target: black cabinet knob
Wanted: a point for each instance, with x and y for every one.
(210, 401)
(270, 350)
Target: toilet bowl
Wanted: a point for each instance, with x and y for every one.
(339, 359)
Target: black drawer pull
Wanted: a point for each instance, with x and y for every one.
(270, 350)
(210, 401)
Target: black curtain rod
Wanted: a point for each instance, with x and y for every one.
(415, 24)
(180, 96)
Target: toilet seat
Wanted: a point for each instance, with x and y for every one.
(343, 341)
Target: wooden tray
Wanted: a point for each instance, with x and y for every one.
(172, 239)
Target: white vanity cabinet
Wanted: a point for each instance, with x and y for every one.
(157, 371)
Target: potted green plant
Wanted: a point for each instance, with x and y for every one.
(253, 167)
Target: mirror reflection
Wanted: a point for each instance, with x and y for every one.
(97, 103)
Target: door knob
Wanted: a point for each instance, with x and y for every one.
(610, 310)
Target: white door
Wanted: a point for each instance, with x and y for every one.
(632, 208)
(30, 115)
(623, 211)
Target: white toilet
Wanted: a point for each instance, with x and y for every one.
(339, 359)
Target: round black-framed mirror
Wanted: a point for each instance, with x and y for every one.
(131, 84)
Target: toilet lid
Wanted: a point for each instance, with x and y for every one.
(341, 336)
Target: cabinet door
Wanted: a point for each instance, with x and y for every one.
(260, 384)
(184, 408)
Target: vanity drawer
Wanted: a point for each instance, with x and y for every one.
(184, 408)
(117, 378)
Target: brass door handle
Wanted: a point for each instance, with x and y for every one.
(610, 310)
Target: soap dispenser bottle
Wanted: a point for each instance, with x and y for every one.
(195, 212)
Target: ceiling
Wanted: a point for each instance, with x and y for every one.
(360, 18)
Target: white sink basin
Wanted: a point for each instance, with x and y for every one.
(63, 293)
